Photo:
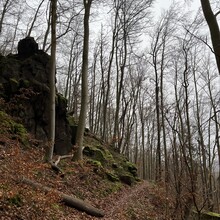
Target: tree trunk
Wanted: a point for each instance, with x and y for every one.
(213, 28)
(34, 19)
(68, 200)
(5, 7)
(52, 81)
(84, 92)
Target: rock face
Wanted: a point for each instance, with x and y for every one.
(27, 47)
(24, 84)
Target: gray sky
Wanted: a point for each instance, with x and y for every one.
(164, 4)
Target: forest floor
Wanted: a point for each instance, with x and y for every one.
(141, 201)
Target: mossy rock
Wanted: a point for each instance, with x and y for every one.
(108, 155)
(112, 176)
(9, 126)
(131, 168)
(61, 101)
(5, 123)
(127, 179)
(95, 163)
(72, 121)
(95, 154)
(114, 165)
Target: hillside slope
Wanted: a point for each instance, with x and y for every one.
(104, 179)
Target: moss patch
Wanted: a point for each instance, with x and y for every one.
(10, 127)
(131, 168)
(15, 200)
(95, 154)
(110, 187)
(72, 121)
(95, 163)
(112, 176)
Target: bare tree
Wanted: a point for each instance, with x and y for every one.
(35, 18)
(84, 95)
(212, 22)
(52, 80)
(5, 8)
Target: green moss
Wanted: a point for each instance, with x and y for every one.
(72, 121)
(95, 163)
(131, 168)
(95, 154)
(61, 100)
(56, 206)
(15, 200)
(20, 132)
(9, 126)
(108, 155)
(112, 176)
(110, 188)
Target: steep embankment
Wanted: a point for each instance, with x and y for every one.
(105, 180)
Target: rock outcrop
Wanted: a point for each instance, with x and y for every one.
(24, 85)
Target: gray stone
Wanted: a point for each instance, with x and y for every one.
(27, 47)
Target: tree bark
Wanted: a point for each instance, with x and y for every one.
(84, 92)
(213, 28)
(52, 81)
(68, 200)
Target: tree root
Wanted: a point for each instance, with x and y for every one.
(56, 168)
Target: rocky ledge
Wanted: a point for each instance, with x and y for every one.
(24, 86)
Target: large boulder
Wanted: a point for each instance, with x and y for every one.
(24, 84)
(27, 47)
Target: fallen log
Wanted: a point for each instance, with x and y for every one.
(73, 202)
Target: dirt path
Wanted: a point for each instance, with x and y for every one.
(123, 205)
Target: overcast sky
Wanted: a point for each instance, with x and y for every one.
(194, 4)
(164, 4)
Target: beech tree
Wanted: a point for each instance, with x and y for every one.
(52, 80)
(84, 90)
(129, 21)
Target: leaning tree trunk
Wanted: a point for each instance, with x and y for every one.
(213, 28)
(68, 200)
